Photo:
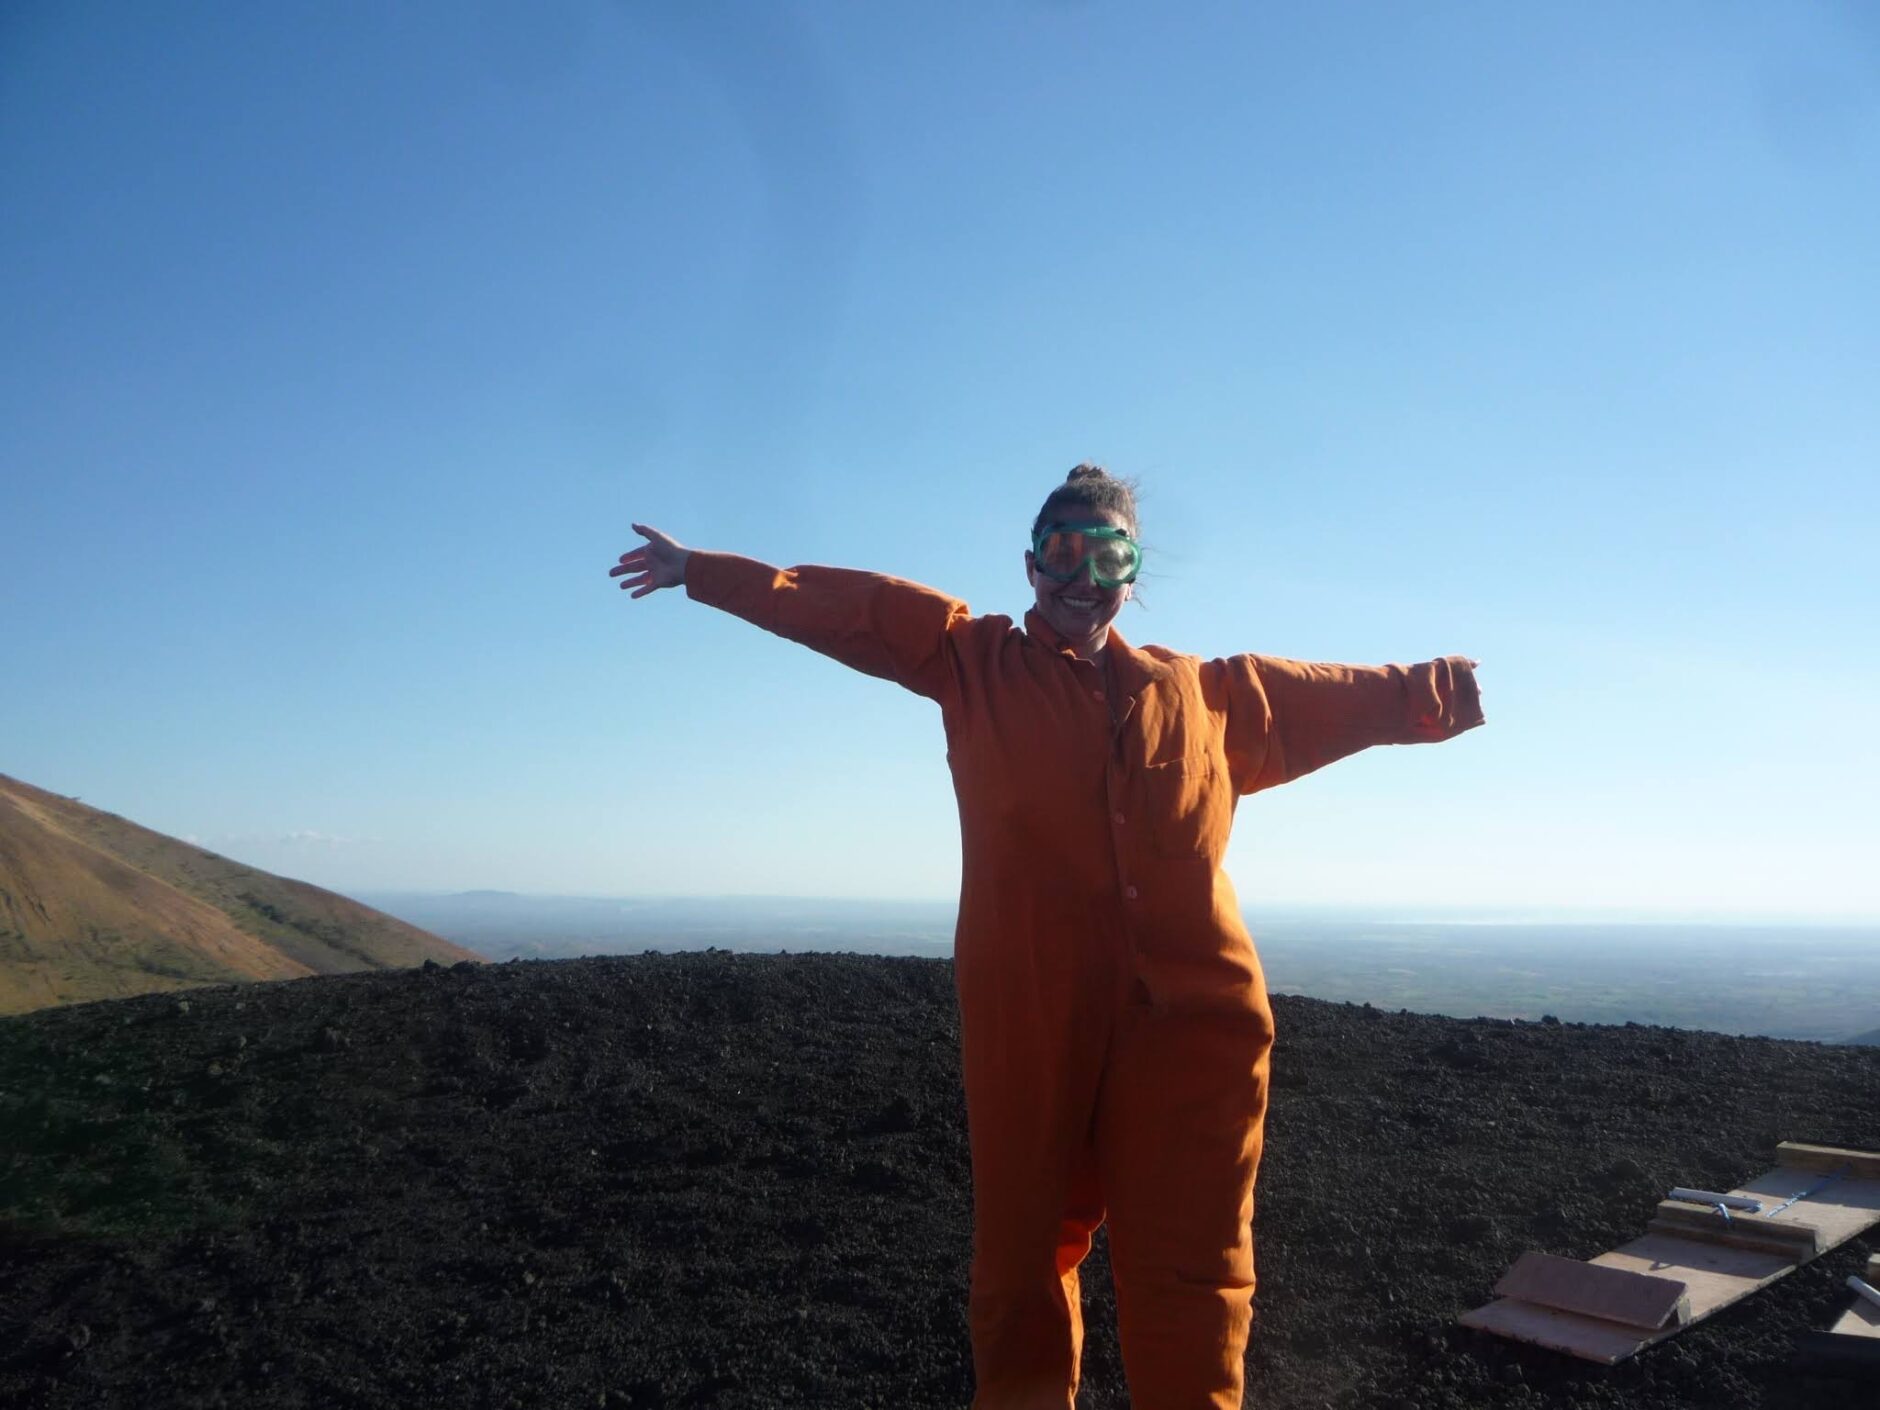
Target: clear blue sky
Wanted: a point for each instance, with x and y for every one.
(343, 343)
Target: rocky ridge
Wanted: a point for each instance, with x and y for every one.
(709, 1179)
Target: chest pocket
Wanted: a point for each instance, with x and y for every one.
(1185, 806)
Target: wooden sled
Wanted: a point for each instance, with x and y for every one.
(1851, 1347)
(1695, 1260)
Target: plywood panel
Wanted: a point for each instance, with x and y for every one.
(1839, 1210)
(1714, 1275)
(1796, 1196)
(1585, 1337)
(1639, 1300)
(1790, 1237)
(1798, 1155)
(1863, 1318)
(1860, 1320)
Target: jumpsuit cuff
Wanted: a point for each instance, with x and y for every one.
(721, 579)
(1445, 698)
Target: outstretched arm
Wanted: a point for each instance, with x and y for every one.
(1287, 718)
(883, 626)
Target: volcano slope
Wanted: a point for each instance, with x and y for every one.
(93, 906)
(741, 1180)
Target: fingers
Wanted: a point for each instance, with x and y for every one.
(656, 547)
(655, 564)
(636, 560)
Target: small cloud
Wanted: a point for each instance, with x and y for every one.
(308, 837)
(301, 837)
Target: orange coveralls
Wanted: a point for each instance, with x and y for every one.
(1114, 1024)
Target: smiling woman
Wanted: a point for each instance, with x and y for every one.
(1114, 1022)
(1084, 558)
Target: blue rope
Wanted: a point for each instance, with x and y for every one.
(1811, 1190)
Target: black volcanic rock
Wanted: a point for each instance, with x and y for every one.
(742, 1180)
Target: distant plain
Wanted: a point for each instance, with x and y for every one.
(1819, 983)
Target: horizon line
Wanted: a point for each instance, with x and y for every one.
(1419, 913)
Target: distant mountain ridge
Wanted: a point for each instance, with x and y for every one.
(93, 906)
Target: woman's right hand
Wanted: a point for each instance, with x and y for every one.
(657, 563)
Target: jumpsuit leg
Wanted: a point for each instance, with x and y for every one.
(1033, 1059)
(1028, 1336)
(1179, 1131)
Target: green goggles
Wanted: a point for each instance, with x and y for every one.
(1060, 551)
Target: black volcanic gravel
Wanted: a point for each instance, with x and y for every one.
(741, 1180)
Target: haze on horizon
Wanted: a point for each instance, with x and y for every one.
(342, 352)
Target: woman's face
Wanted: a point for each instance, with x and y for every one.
(1080, 611)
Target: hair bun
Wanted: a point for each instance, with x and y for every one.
(1091, 487)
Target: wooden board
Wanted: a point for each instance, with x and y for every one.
(1860, 1320)
(1863, 1318)
(1839, 1211)
(1787, 1237)
(1798, 1155)
(1640, 1300)
(1714, 1274)
(1588, 1338)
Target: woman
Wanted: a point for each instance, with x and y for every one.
(1114, 1026)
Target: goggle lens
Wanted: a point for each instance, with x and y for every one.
(1113, 556)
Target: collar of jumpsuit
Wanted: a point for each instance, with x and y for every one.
(1131, 670)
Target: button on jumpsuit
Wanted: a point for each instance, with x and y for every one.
(1114, 1024)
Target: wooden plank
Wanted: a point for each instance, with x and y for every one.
(1838, 1211)
(1812, 1215)
(1640, 1300)
(1860, 1320)
(1714, 1275)
(1799, 1241)
(1863, 1318)
(1798, 1155)
(1588, 1338)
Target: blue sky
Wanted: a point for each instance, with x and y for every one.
(343, 345)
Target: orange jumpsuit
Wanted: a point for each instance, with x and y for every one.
(1114, 1024)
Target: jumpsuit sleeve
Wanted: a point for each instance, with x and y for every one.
(882, 626)
(1287, 718)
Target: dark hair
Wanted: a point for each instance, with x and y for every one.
(1091, 487)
